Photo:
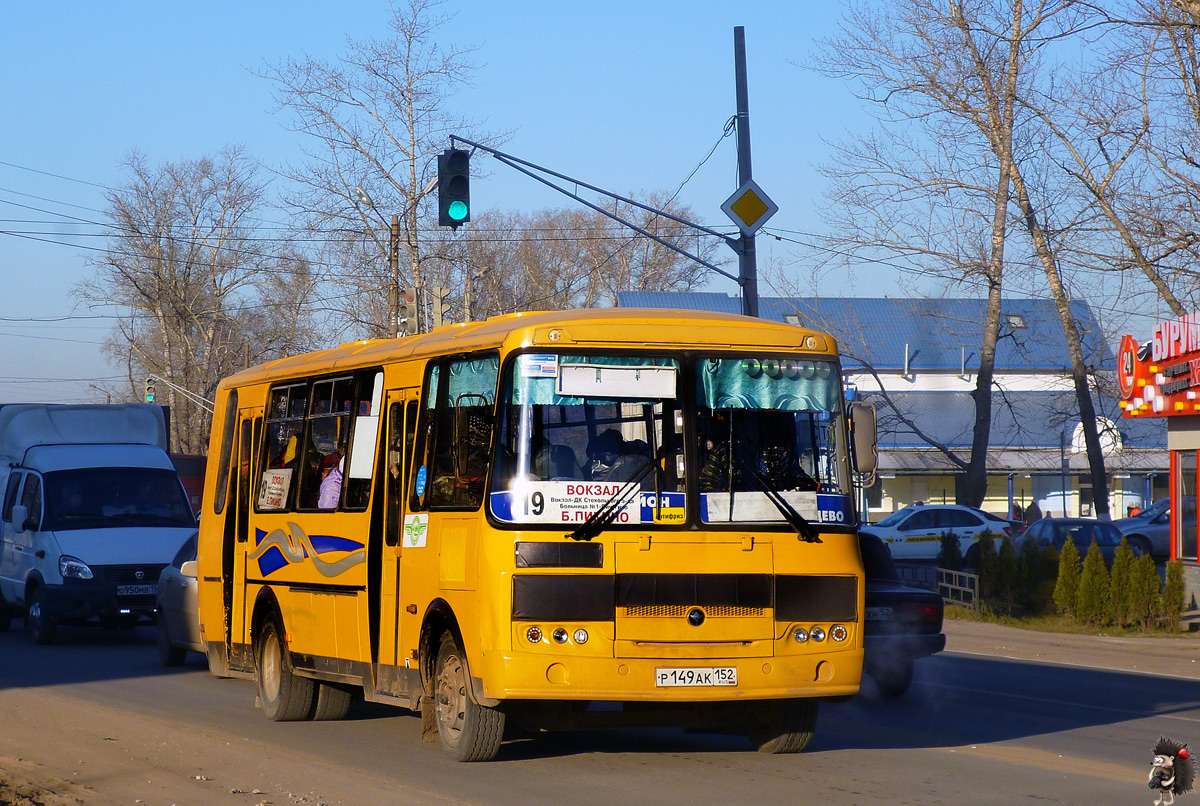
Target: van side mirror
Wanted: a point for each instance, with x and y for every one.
(20, 518)
(864, 439)
(188, 569)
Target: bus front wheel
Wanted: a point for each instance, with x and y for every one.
(285, 696)
(781, 726)
(466, 730)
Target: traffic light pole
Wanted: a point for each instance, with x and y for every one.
(202, 402)
(747, 260)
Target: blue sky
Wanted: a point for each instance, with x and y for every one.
(629, 96)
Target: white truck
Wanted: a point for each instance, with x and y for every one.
(93, 510)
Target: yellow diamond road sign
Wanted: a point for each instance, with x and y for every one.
(749, 207)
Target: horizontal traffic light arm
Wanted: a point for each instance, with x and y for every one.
(517, 162)
(202, 402)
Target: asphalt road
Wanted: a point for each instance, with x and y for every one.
(1002, 716)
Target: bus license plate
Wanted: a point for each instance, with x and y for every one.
(720, 676)
(136, 590)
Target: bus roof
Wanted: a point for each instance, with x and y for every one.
(581, 328)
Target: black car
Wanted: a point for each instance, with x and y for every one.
(902, 623)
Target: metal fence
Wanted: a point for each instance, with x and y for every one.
(955, 587)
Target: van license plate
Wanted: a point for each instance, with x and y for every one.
(719, 676)
(136, 590)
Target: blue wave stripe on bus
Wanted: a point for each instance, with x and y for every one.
(324, 543)
(271, 560)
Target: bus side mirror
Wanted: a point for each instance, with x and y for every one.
(864, 440)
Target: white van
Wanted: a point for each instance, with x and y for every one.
(92, 511)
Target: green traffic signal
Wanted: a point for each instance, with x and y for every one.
(454, 187)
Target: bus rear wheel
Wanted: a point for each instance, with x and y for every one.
(285, 696)
(781, 726)
(332, 702)
(466, 730)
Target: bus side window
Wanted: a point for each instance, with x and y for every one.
(284, 450)
(360, 464)
(465, 419)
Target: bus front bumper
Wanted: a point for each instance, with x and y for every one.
(529, 676)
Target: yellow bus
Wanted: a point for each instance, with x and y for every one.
(557, 520)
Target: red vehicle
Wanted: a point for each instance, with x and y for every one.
(191, 473)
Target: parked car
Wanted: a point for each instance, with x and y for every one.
(1150, 529)
(902, 623)
(1081, 531)
(915, 532)
(1015, 526)
(178, 612)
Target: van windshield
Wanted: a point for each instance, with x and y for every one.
(106, 497)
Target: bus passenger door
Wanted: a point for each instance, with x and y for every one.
(401, 407)
(249, 436)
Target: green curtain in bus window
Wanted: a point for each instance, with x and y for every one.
(475, 378)
(541, 391)
(781, 384)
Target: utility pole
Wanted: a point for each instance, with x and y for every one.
(394, 273)
(747, 263)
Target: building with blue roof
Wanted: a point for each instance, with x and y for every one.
(917, 361)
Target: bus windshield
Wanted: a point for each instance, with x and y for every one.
(768, 426)
(582, 433)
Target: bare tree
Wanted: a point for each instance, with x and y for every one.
(561, 259)
(378, 117)
(202, 294)
(932, 186)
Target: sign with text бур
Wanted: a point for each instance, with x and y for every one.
(749, 207)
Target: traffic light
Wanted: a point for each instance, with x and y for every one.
(150, 390)
(406, 312)
(454, 187)
(441, 306)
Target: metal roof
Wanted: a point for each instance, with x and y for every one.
(1020, 420)
(939, 334)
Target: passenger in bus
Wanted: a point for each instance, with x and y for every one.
(611, 458)
(549, 461)
(331, 481)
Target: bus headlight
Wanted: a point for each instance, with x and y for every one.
(559, 636)
(818, 634)
(838, 633)
(800, 635)
(534, 635)
(581, 636)
(73, 568)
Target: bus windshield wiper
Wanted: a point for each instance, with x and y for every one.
(806, 531)
(609, 510)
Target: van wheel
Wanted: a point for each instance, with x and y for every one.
(332, 702)
(781, 726)
(42, 626)
(467, 730)
(285, 696)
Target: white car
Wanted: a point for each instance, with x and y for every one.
(915, 532)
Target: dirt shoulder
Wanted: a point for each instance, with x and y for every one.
(1177, 656)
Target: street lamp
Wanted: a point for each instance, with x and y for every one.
(363, 198)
